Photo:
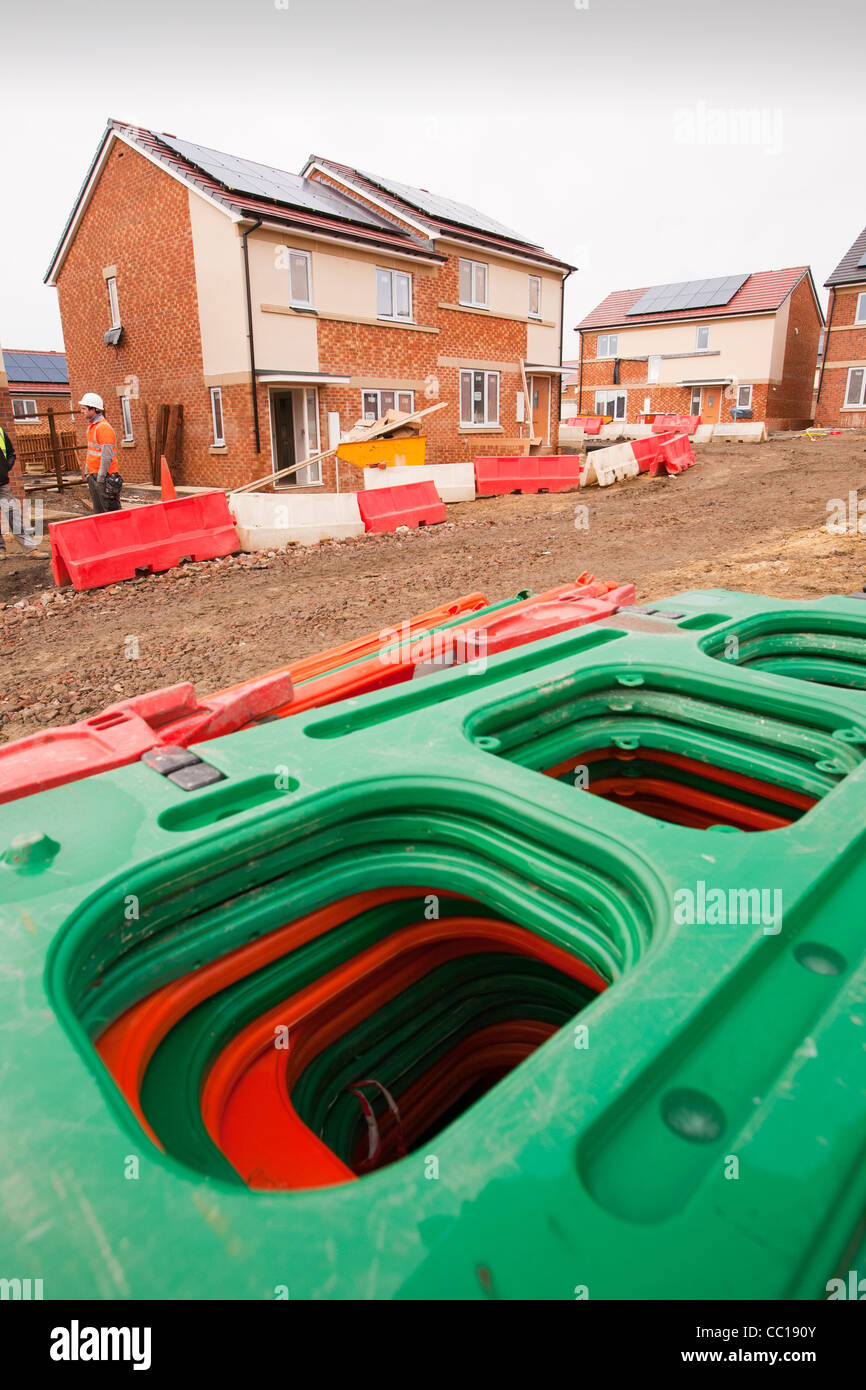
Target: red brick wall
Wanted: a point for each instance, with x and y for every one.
(845, 343)
(789, 403)
(138, 221)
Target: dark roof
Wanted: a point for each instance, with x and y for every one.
(35, 368)
(764, 292)
(440, 215)
(851, 270)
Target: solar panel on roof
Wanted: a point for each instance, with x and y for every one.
(261, 181)
(688, 294)
(36, 366)
(445, 209)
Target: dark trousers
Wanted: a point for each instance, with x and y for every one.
(101, 503)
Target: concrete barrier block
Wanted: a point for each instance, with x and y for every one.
(268, 521)
(743, 431)
(455, 482)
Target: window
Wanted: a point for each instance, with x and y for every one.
(473, 284)
(611, 403)
(703, 338)
(855, 394)
(25, 410)
(374, 404)
(535, 296)
(300, 280)
(607, 345)
(393, 294)
(860, 309)
(653, 369)
(216, 410)
(126, 412)
(479, 398)
(695, 407)
(744, 397)
(113, 304)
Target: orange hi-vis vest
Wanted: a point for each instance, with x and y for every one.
(99, 433)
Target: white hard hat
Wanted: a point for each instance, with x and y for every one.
(90, 398)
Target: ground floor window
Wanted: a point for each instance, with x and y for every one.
(744, 397)
(374, 404)
(611, 403)
(126, 412)
(25, 409)
(216, 410)
(855, 393)
(295, 435)
(479, 398)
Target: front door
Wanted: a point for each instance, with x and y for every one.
(295, 426)
(539, 391)
(711, 404)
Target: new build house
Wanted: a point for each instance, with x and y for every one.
(279, 309)
(38, 381)
(842, 379)
(739, 346)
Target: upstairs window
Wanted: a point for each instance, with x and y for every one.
(25, 410)
(473, 284)
(860, 309)
(535, 296)
(126, 412)
(216, 410)
(300, 280)
(374, 404)
(113, 305)
(607, 345)
(393, 295)
(702, 341)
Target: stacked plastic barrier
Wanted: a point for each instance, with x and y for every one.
(518, 928)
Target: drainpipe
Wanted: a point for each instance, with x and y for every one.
(580, 379)
(826, 346)
(257, 223)
(561, 352)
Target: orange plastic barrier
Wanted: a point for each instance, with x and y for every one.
(590, 424)
(555, 473)
(123, 732)
(679, 423)
(675, 456)
(96, 550)
(245, 1100)
(408, 504)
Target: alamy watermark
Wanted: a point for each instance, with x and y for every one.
(729, 907)
(759, 128)
(846, 517)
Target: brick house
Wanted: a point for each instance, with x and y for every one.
(37, 380)
(842, 379)
(280, 309)
(706, 347)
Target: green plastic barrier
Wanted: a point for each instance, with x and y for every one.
(704, 1138)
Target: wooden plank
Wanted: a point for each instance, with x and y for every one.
(55, 448)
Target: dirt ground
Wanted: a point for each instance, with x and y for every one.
(749, 517)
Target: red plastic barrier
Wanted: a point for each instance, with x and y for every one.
(553, 473)
(590, 424)
(121, 733)
(686, 423)
(96, 550)
(408, 504)
(648, 451)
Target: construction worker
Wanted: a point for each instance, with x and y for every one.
(9, 505)
(102, 469)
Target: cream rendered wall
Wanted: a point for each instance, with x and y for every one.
(284, 342)
(219, 273)
(744, 347)
(777, 360)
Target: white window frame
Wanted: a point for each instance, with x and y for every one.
(653, 368)
(475, 300)
(535, 313)
(605, 393)
(394, 276)
(113, 301)
(126, 415)
(611, 345)
(216, 399)
(696, 409)
(379, 392)
(855, 405)
(699, 346)
(741, 404)
(860, 310)
(487, 422)
(306, 256)
(25, 414)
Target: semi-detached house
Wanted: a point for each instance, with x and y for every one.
(842, 382)
(278, 309)
(739, 343)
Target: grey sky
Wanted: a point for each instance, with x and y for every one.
(617, 134)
